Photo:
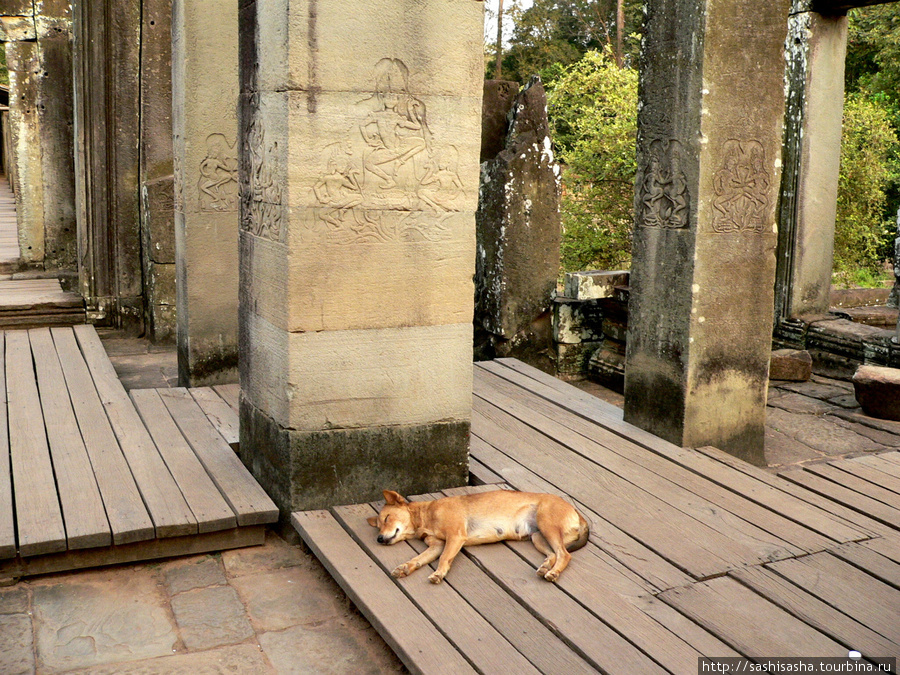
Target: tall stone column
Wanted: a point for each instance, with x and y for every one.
(359, 169)
(817, 50)
(204, 123)
(709, 157)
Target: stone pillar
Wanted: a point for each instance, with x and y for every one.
(816, 51)
(204, 122)
(709, 156)
(157, 182)
(359, 171)
(518, 235)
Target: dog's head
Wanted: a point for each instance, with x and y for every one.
(394, 523)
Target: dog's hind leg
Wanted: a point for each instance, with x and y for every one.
(561, 557)
(540, 543)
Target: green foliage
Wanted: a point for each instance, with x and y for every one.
(592, 108)
(869, 165)
(4, 72)
(873, 51)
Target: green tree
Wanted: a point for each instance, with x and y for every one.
(592, 108)
(4, 72)
(869, 166)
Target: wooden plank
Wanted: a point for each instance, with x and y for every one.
(749, 543)
(799, 537)
(870, 474)
(220, 414)
(853, 500)
(139, 551)
(811, 610)
(691, 632)
(247, 499)
(210, 509)
(680, 539)
(231, 393)
(868, 560)
(889, 547)
(39, 521)
(167, 507)
(82, 507)
(884, 463)
(479, 474)
(853, 482)
(409, 633)
(844, 587)
(483, 646)
(619, 545)
(751, 624)
(7, 522)
(128, 517)
(750, 482)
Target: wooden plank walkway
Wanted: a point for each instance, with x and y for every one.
(9, 236)
(90, 475)
(692, 553)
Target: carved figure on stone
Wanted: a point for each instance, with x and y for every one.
(386, 181)
(218, 182)
(741, 186)
(261, 194)
(663, 190)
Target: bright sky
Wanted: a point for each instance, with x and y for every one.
(490, 21)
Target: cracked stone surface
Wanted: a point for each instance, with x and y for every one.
(106, 617)
(14, 600)
(194, 572)
(233, 659)
(16, 648)
(211, 617)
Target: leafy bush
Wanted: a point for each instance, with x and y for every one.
(592, 108)
(869, 165)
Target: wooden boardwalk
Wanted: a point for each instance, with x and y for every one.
(692, 553)
(96, 476)
(9, 238)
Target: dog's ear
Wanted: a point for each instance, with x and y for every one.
(392, 498)
(373, 521)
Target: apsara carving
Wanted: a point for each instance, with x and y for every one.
(664, 198)
(262, 209)
(218, 182)
(741, 186)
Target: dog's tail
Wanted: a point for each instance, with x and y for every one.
(584, 531)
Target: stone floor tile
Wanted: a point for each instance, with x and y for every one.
(236, 659)
(274, 554)
(187, 574)
(820, 433)
(798, 403)
(327, 649)
(14, 600)
(288, 597)
(16, 644)
(782, 450)
(101, 618)
(211, 617)
(816, 389)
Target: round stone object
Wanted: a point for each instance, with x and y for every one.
(878, 391)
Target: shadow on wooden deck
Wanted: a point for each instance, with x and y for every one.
(692, 552)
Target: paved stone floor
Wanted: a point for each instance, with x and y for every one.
(262, 609)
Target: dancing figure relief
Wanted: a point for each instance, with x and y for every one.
(664, 194)
(741, 186)
(218, 182)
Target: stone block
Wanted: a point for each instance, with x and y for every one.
(615, 328)
(594, 283)
(303, 470)
(790, 364)
(211, 617)
(16, 644)
(195, 572)
(607, 367)
(878, 391)
(158, 206)
(17, 28)
(576, 321)
(572, 359)
(496, 104)
(359, 378)
(315, 46)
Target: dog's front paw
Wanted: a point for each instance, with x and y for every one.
(435, 578)
(551, 576)
(542, 570)
(401, 571)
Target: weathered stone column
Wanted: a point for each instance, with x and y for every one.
(204, 124)
(817, 50)
(709, 156)
(359, 170)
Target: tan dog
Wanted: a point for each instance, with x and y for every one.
(448, 524)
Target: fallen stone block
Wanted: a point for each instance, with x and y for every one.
(878, 391)
(576, 321)
(790, 364)
(594, 284)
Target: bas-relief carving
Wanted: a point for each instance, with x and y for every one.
(664, 197)
(387, 182)
(178, 181)
(741, 187)
(218, 182)
(261, 195)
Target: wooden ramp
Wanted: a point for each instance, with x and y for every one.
(32, 303)
(97, 477)
(692, 553)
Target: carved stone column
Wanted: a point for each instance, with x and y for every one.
(709, 157)
(204, 123)
(359, 174)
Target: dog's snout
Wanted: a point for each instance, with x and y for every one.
(380, 538)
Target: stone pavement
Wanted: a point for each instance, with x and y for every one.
(808, 422)
(263, 609)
